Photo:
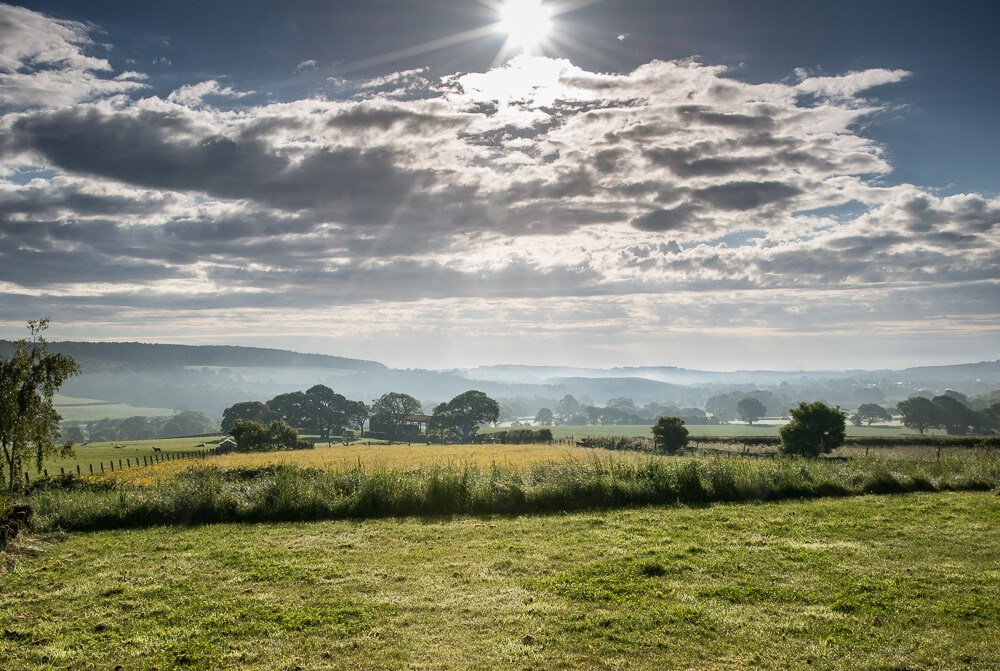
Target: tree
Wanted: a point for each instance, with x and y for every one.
(254, 410)
(545, 417)
(919, 413)
(327, 410)
(670, 434)
(872, 412)
(357, 413)
(815, 429)
(390, 410)
(958, 418)
(293, 408)
(28, 420)
(749, 409)
(567, 408)
(464, 413)
(254, 436)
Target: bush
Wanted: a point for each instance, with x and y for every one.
(670, 434)
(815, 429)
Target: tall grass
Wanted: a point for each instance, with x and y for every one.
(286, 492)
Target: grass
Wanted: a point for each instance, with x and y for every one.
(202, 491)
(874, 582)
(709, 430)
(90, 410)
(96, 453)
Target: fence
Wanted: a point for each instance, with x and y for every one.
(128, 462)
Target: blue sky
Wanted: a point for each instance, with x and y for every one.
(703, 184)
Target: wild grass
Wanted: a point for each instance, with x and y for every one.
(208, 493)
(871, 582)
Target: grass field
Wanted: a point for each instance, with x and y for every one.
(710, 430)
(876, 582)
(75, 409)
(95, 453)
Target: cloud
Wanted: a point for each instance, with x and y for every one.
(531, 183)
(43, 62)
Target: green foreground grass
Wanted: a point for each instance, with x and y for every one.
(874, 582)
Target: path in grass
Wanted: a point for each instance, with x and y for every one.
(900, 582)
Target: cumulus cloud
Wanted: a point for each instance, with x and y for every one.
(533, 181)
(44, 62)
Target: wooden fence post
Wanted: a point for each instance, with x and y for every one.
(26, 482)
(78, 470)
(91, 468)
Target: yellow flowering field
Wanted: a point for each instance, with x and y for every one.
(402, 457)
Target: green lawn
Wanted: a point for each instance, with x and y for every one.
(133, 450)
(875, 582)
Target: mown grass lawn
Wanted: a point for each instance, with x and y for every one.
(874, 582)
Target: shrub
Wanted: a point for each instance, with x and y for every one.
(815, 429)
(670, 434)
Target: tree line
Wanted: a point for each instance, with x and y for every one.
(951, 411)
(393, 415)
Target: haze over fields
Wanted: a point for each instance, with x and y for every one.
(444, 184)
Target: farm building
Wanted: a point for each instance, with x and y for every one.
(227, 445)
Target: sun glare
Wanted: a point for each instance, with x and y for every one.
(526, 22)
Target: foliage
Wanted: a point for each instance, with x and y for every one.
(815, 429)
(870, 413)
(462, 415)
(254, 436)
(28, 421)
(254, 410)
(749, 409)
(389, 412)
(919, 413)
(545, 417)
(518, 436)
(669, 434)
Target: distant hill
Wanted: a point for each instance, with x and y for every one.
(209, 378)
(108, 356)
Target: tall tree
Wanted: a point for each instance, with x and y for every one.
(327, 410)
(255, 410)
(872, 412)
(749, 409)
(292, 408)
(464, 413)
(28, 420)
(390, 411)
(919, 413)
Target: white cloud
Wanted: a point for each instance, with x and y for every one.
(671, 198)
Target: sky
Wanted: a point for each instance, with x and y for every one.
(714, 184)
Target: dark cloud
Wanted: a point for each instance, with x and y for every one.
(745, 196)
(661, 220)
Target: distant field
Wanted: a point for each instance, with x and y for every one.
(643, 430)
(96, 453)
(874, 582)
(75, 409)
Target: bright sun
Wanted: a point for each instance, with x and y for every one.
(526, 23)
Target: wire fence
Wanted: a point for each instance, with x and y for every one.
(122, 464)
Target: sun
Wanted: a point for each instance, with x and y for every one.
(526, 23)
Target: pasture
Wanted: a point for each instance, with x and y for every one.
(76, 409)
(769, 428)
(874, 582)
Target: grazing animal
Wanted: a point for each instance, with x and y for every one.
(117, 446)
(156, 449)
(200, 445)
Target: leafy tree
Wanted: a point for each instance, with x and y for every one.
(567, 408)
(919, 413)
(327, 410)
(192, 423)
(958, 418)
(464, 413)
(670, 434)
(293, 408)
(749, 409)
(390, 410)
(28, 420)
(815, 429)
(356, 414)
(254, 410)
(74, 433)
(254, 436)
(545, 417)
(872, 412)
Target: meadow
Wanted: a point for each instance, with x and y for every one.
(872, 582)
